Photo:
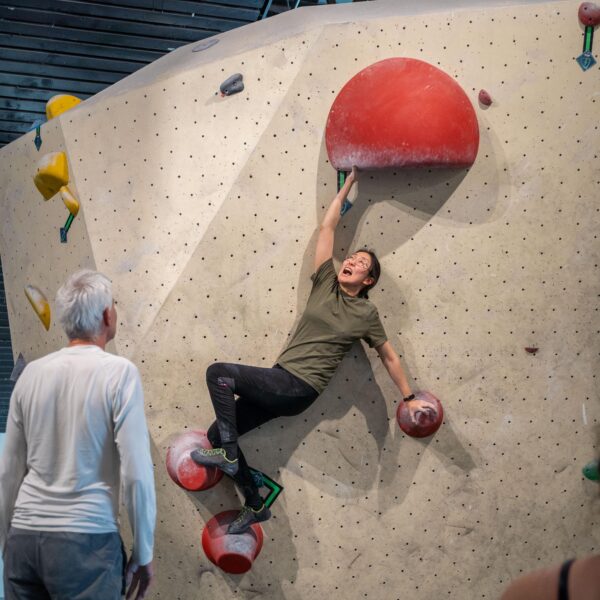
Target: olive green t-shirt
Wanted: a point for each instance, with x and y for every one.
(331, 323)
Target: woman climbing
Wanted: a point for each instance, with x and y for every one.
(337, 314)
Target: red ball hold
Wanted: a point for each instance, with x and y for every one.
(589, 14)
(427, 422)
(231, 553)
(485, 98)
(183, 470)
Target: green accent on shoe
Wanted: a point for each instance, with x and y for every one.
(215, 457)
(216, 452)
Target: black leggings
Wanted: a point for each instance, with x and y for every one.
(263, 394)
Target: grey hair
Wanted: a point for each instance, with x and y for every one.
(81, 301)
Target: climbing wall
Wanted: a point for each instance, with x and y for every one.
(203, 210)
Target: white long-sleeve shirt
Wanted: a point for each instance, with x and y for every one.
(76, 427)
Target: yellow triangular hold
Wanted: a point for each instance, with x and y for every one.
(60, 104)
(52, 174)
(39, 303)
(70, 200)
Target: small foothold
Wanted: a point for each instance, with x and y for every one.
(19, 367)
(205, 44)
(232, 85)
(531, 350)
(485, 98)
(36, 124)
(592, 470)
(589, 14)
(40, 304)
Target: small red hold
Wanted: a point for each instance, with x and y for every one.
(531, 350)
(485, 98)
(427, 421)
(589, 14)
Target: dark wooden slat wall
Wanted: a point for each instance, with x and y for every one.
(80, 47)
(6, 357)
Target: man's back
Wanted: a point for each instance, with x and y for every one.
(76, 436)
(71, 404)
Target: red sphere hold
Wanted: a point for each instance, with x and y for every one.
(589, 13)
(427, 422)
(401, 112)
(485, 98)
(183, 470)
(231, 553)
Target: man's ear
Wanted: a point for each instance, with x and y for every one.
(106, 316)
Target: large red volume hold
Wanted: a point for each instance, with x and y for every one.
(401, 112)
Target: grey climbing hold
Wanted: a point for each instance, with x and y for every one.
(37, 123)
(232, 85)
(205, 44)
(20, 365)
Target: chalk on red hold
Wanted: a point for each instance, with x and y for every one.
(183, 470)
(427, 422)
(231, 553)
(232, 85)
(485, 98)
(589, 14)
(401, 112)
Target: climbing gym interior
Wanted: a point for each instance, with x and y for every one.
(197, 184)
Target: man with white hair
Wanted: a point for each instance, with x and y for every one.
(76, 432)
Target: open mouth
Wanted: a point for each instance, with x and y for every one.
(346, 271)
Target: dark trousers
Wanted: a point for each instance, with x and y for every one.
(43, 565)
(263, 394)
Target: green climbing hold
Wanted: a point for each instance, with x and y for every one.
(592, 470)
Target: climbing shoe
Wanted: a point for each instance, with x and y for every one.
(215, 457)
(247, 517)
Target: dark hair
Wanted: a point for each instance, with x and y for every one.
(374, 271)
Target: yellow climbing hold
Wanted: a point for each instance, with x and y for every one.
(60, 104)
(52, 174)
(40, 304)
(70, 200)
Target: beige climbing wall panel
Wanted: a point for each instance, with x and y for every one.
(30, 246)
